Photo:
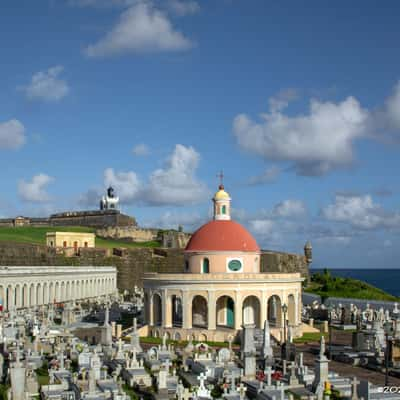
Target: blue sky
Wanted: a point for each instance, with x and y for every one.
(297, 102)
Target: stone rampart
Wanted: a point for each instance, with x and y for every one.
(92, 219)
(132, 263)
(131, 233)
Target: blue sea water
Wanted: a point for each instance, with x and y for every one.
(385, 279)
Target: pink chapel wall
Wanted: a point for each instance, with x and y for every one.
(218, 261)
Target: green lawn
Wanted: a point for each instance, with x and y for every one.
(309, 337)
(37, 235)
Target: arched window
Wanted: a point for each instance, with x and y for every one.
(206, 266)
(224, 209)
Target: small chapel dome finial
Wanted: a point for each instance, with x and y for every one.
(222, 201)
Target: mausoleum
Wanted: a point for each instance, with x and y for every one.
(222, 287)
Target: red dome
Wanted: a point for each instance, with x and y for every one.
(222, 236)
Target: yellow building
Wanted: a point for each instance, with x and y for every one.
(70, 239)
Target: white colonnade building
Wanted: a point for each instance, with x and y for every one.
(25, 286)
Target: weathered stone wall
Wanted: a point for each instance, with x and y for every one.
(132, 233)
(132, 263)
(272, 261)
(92, 219)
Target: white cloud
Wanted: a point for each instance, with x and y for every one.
(268, 176)
(360, 212)
(126, 184)
(282, 99)
(141, 150)
(141, 28)
(183, 7)
(176, 182)
(172, 220)
(101, 3)
(315, 143)
(47, 86)
(35, 190)
(289, 208)
(263, 227)
(173, 185)
(12, 135)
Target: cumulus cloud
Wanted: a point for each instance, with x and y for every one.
(360, 212)
(101, 3)
(141, 150)
(322, 139)
(46, 85)
(264, 227)
(315, 143)
(172, 220)
(12, 135)
(183, 7)
(141, 28)
(289, 208)
(35, 190)
(175, 184)
(268, 176)
(126, 184)
(282, 99)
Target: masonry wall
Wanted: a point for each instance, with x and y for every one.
(132, 263)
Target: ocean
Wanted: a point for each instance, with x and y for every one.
(385, 279)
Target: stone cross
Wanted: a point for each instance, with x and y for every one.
(186, 395)
(202, 378)
(242, 391)
(354, 384)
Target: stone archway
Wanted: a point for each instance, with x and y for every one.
(251, 311)
(157, 309)
(32, 295)
(199, 312)
(17, 296)
(177, 311)
(274, 311)
(225, 311)
(25, 297)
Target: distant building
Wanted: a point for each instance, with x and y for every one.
(70, 239)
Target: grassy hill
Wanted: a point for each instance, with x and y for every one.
(327, 285)
(37, 235)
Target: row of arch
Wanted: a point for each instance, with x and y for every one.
(21, 295)
(225, 311)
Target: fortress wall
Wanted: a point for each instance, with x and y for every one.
(92, 219)
(272, 261)
(131, 233)
(132, 263)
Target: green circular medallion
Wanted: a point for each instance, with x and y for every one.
(235, 265)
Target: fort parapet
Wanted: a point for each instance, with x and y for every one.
(132, 263)
(91, 219)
